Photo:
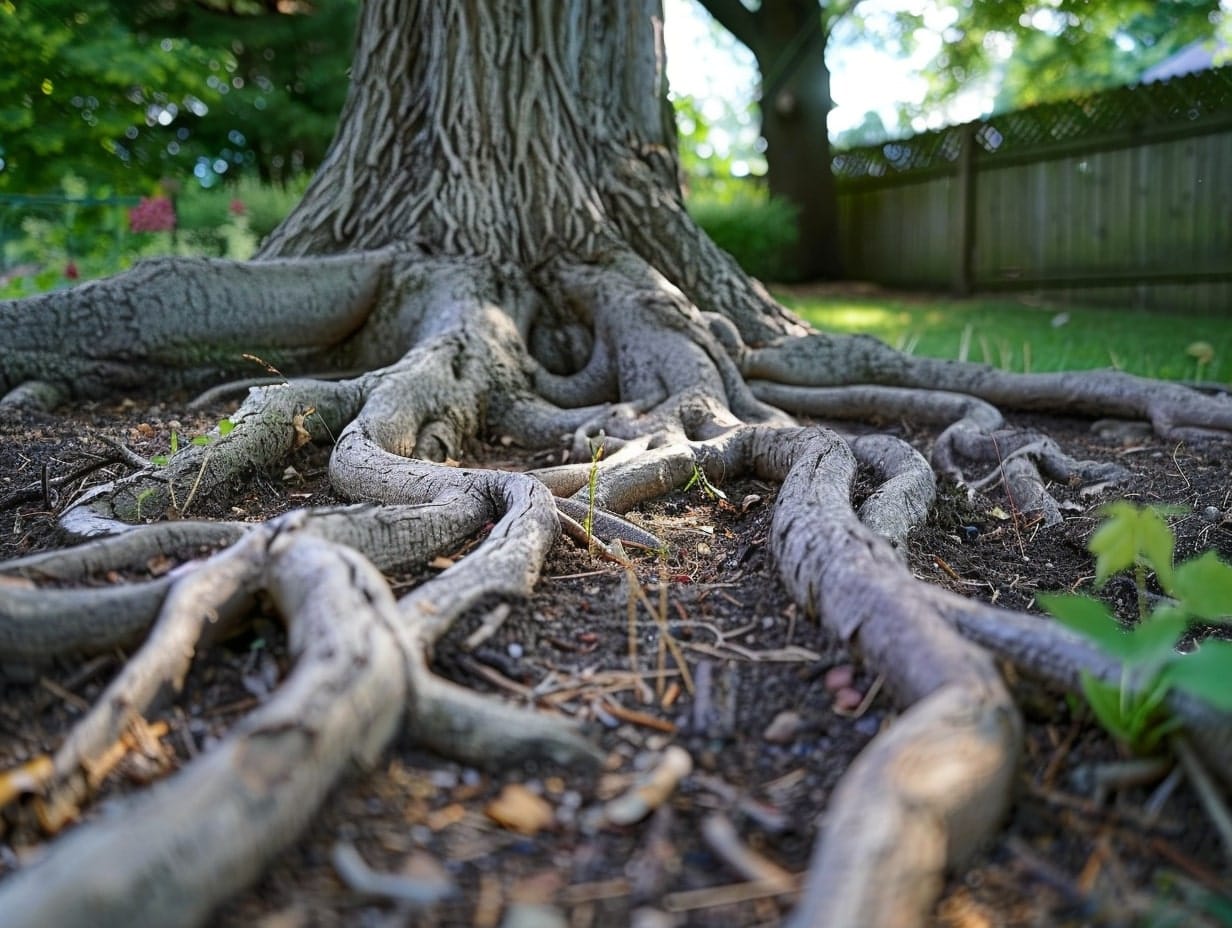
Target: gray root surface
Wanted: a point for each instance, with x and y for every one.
(496, 242)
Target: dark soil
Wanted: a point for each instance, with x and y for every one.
(1068, 856)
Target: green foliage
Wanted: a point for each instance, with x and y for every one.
(1132, 710)
(81, 91)
(126, 93)
(230, 220)
(699, 479)
(717, 147)
(754, 228)
(225, 427)
(1042, 52)
(592, 484)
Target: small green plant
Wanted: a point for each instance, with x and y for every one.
(161, 460)
(1197, 590)
(700, 480)
(224, 427)
(142, 497)
(592, 484)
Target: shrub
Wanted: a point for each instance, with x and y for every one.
(755, 229)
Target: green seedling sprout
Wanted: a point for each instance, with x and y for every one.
(1133, 708)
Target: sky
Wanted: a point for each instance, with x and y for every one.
(704, 61)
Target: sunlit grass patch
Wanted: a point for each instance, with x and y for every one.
(1017, 337)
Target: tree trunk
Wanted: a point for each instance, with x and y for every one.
(496, 246)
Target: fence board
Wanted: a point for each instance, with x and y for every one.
(1131, 207)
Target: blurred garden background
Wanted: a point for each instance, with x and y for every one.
(134, 129)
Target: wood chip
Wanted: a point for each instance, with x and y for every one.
(520, 810)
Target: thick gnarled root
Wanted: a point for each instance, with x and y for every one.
(180, 322)
(172, 854)
(917, 802)
(973, 437)
(909, 826)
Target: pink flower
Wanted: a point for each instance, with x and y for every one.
(152, 214)
(237, 207)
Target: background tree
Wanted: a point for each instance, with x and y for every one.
(788, 40)
(1024, 51)
(496, 243)
(123, 95)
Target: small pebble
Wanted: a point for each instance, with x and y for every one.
(783, 728)
(838, 677)
(1211, 514)
(848, 698)
(867, 725)
(514, 649)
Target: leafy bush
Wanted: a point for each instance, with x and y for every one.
(756, 230)
(229, 220)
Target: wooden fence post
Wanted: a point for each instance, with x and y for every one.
(963, 242)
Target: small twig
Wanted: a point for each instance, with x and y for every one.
(1009, 496)
(197, 482)
(1059, 756)
(1159, 798)
(1196, 870)
(791, 654)
(633, 717)
(768, 817)
(1206, 789)
(495, 677)
(361, 878)
(1045, 870)
(665, 632)
(488, 627)
(692, 899)
(580, 893)
(631, 614)
(1180, 471)
(721, 837)
(66, 695)
(124, 454)
(1090, 809)
(867, 701)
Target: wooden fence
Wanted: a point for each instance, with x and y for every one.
(1123, 198)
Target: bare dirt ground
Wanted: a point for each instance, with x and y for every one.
(771, 711)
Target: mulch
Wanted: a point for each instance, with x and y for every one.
(697, 649)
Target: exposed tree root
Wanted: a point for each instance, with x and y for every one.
(581, 355)
(496, 249)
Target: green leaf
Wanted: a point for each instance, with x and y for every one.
(1105, 701)
(175, 441)
(1206, 673)
(159, 460)
(1204, 586)
(1090, 618)
(225, 426)
(1129, 535)
(1153, 641)
(202, 440)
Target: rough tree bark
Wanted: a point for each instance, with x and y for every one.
(496, 243)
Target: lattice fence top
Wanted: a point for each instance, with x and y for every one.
(1180, 100)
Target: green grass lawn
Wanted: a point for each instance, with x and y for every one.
(1017, 337)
